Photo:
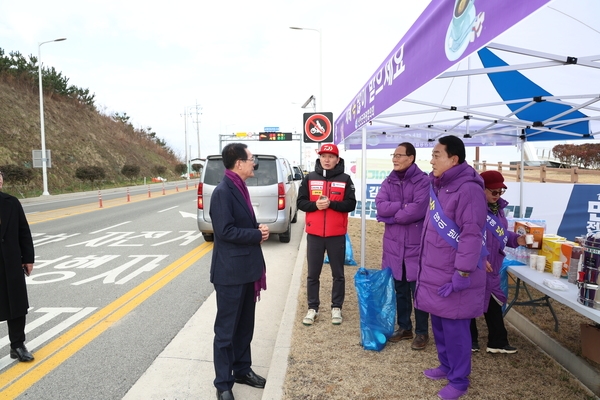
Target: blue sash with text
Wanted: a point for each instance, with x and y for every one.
(494, 226)
(448, 228)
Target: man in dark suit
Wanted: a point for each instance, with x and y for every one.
(237, 271)
(16, 261)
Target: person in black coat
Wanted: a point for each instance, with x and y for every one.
(237, 272)
(16, 261)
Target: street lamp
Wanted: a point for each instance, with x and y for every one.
(320, 62)
(43, 134)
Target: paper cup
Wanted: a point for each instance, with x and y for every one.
(557, 268)
(529, 239)
(533, 261)
(541, 263)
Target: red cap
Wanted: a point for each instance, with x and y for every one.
(493, 180)
(329, 148)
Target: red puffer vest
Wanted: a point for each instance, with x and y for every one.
(327, 222)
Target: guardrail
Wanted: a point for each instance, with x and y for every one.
(542, 173)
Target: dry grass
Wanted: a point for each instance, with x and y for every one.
(328, 362)
(77, 136)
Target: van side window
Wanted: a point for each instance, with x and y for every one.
(215, 170)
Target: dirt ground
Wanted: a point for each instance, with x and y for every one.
(328, 361)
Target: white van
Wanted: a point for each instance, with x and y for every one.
(272, 191)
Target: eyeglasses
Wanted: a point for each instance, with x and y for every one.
(250, 159)
(499, 192)
(399, 155)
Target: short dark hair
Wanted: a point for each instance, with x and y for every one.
(233, 152)
(454, 147)
(410, 150)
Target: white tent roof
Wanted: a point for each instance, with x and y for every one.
(565, 36)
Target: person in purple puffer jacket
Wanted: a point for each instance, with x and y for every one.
(495, 243)
(401, 204)
(451, 275)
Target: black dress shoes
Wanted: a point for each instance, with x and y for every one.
(21, 353)
(226, 395)
(251, 379)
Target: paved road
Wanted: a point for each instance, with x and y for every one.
(189, 354)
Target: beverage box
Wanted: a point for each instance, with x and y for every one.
(557, 249)
(551, 249)
(524, 228)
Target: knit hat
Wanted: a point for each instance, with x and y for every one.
(493, 180)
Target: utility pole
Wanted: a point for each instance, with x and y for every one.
(187, 155)
(198, 113)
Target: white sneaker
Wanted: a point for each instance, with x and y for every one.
(310, 318)
(336, 316)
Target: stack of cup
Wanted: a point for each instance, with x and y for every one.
(576, 257)
(533, 261)
(541, 263)
(557, 268)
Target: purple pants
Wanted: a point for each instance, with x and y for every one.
(453, 342)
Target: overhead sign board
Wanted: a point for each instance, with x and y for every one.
(274, 136)
(271, 129)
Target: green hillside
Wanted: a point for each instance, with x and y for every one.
(77, 134)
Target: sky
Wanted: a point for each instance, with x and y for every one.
(237, 60)
(234, 66)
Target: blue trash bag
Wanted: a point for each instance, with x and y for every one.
(504, 276)
(349, 257)
(377, 306)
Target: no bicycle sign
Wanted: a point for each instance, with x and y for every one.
(318, 127)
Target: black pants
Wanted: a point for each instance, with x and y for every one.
(497, 335)
(16, 331)
(315, 254)
(234, 328)
(405, 293)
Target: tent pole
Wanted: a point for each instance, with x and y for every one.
(521, 204)
(363, 195)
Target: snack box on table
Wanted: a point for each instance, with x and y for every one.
(557, 248)
(524, 228)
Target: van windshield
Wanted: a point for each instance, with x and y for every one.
(266, 174)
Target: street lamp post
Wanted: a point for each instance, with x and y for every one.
(43, 133)
(320, 62)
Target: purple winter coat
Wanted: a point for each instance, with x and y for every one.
(461, 196)
(496, 256)
(406, 200)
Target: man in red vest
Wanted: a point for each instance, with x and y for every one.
(327, 196)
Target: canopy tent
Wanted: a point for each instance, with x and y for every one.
(463, 101)
(451, 96)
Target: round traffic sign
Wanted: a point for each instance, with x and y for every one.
(317, 127)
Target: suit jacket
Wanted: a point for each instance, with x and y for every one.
(237, 256)
(16, 247)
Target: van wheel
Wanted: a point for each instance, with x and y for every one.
(287, 235)
(208, 237)
(295, 219)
